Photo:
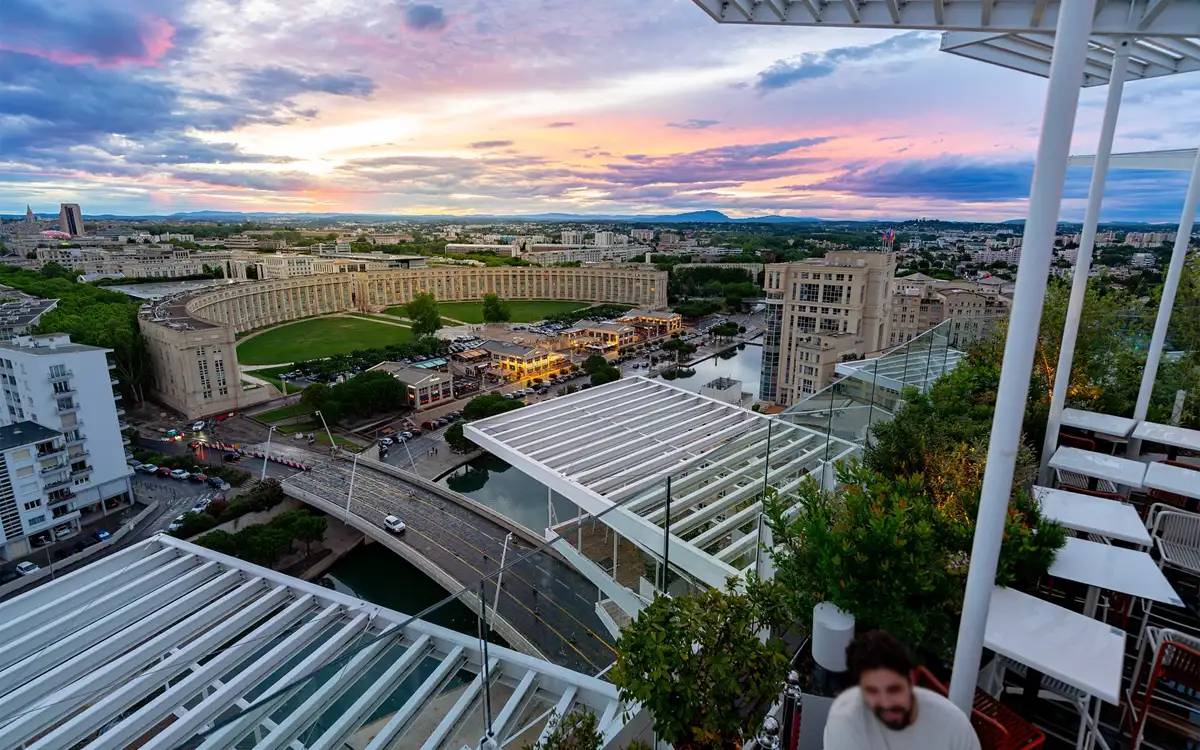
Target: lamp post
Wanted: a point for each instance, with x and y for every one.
(332, 445)
(267, 452)
(500, 575)
(350, 489)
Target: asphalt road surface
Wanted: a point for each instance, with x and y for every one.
(545, 599)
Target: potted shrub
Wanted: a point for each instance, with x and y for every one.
(697, 664)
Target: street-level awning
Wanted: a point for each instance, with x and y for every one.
(614, 448)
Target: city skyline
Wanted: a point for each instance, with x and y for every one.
(149, 107)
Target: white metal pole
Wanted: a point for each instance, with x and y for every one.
(1167, 304)
(500, 576)
(1045, 198)
(411, 462)
(266, 453)
(1083, 258)
(332, 445)
(350, 489)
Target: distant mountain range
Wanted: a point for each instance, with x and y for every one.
(691, 217)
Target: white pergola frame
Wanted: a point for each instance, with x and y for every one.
(82, 651)
(611, 449)
(1074, 24)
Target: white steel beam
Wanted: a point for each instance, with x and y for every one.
(55, 609)
(665, 462)
(54, 643)
(82, 579)
(514, 705)
(683, 436)
(582, 422)
(562, 708)
(373, 697)
(399, 721)
(775, 8)
(852, 11)
(694, 471)
(894, 8)
(646, 431)
(216, 701)
(1154, 9)
(620, 389)
(70, 685)
(451, 719)
(600, 435)
(331, 687)
(228, 735)
(100, 713)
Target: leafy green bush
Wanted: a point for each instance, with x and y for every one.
(697, 663)
(576, 730)
(267, 543)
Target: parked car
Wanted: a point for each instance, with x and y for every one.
(163, 471)
(386, 441)
(198, 426)
(200, 506)
(197, 477)
(9, 576)
(394, 525)
(176, 524)
(415, 431)
(214, 481)
(101, 535)
(180, 474)
(231, 457)
(406, 434)
(147, 469)
(26, 568)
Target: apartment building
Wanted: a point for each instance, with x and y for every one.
(920, 302)
(548, 255)
(18, 316)
(139, 262)
(605, 238)
(64, 454)
(70, 219)
(571, 238)
(642, 235)
(822, 311)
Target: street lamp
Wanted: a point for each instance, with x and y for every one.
(332, 445)
(266, 453)
(350, 489)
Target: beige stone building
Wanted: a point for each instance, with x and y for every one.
(190, 338)
(822, 311)
(920, 302)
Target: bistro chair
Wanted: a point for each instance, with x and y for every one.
(1074, 482)
(1175, 680)
(996, 725)
(1170, 498)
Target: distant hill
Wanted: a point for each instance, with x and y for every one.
(690, 217)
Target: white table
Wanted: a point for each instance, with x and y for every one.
(1093, 515)
(1175, 437)
(1084, 653)
(1119, 471)
(1105, 424)
(1174, 479)
(1103, 566)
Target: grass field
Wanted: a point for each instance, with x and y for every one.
(286, 412)
(316, 338)
(523, 311)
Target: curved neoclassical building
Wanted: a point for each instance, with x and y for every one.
(192, 340)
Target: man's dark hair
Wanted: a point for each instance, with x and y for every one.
(877, 649)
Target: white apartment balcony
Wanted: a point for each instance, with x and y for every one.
(47, 470)
(65, 375)
(69, 442)
(62, 410)
(52, 452)
(55, 484)
(81, 472)
(59, 392)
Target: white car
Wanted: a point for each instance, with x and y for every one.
(198, 426)
(177, 523)
(180, 474)
(394, 525)
(27, 568)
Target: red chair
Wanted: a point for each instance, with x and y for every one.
(1170, 498)
(1096, 493)
(996, 725)
(1174, 677)
(1076, 441)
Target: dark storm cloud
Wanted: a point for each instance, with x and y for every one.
(424, 17)
(949, 179)
(810, 65)
(85, 31)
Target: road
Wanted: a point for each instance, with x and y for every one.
(545, 599)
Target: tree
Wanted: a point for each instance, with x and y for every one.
(316, 395)
(593, 363)
(308, 529)
(457, 440)
(681, 348)
(697, 663)
(574, 731)
(495, 310)
(606, 374)
(423, 312)
(488, 405)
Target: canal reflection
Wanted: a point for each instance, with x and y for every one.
(493, 482)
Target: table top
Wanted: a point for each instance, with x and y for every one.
(1129, 571)
(1094, 515)
(1180, 437)
(1103, 423)
(1089, 463)
(1080, 651)
(1175, 479)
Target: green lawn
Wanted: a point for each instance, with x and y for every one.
(286, 412)
(523, 311)
(316, 338)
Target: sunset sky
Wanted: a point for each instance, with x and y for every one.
(527, 106)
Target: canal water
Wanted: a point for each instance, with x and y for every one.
(494, 483)
(743, 363)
